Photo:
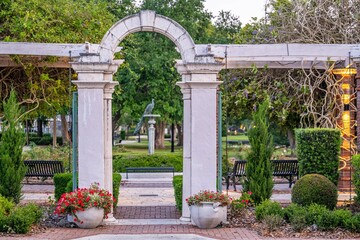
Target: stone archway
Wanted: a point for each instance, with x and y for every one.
(199, 84)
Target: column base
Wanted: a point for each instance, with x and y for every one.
(110, 220)
(185, 219)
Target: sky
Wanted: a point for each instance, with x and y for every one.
(244, 9)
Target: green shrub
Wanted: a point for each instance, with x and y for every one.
(259, 179)
(318, 152)
(292, 210)
(178, 183)
(298, 222)
(116, 188)
(342, 215)
(314, 188)
(44, 140)
(272, 222)
(21, 219)
(313, 212)
(353, 223)
(355, 162)
(5, 206)
(268, 207)
(12, 168)
(60, 182)
(327, 220)
(121, 162)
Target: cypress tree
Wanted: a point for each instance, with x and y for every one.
(258, 168)
(12, 168)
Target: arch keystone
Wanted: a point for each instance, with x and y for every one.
(147, 19)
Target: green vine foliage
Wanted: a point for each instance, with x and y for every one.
(355, 163)
(12, 168)
(258, 168)
(318, 152)
(45, 90)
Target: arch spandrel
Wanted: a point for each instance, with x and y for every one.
(147, 21)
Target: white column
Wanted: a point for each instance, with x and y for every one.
(95, 87)
(186, 150)
(109, 89)
(91, 133)
(199, 88)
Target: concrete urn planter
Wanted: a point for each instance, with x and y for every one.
(208, 214)
(90, 217)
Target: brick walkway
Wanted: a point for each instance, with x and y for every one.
(148, 212)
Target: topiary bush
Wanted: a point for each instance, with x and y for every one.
(318, 151)
(355, 162)
(120, 162)
(267, 208)
(60, 182)
(314, 188)
(178, 183)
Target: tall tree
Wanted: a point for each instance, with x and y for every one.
(12, 168)
(258, 168)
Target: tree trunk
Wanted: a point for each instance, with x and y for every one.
(160, 135)
(54, 132)
(115, 120)
(64, 130)
(180, 135)
(291, 138)
(39, 127)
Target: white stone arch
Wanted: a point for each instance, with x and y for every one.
(199, 85)
(147, 21)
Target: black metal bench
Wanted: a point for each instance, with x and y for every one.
(149, 169)
(43, 168)
(281, 168)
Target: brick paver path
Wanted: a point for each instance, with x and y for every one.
(148, 212)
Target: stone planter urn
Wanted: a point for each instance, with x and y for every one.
(90, 217)
(208, 214)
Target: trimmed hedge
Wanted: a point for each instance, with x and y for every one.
(120, 162)
(177, 183)
(45, 140)
(314, 188)
(61, 181)
(318, 152)
(355, 162)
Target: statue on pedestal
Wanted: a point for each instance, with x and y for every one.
(147, 111)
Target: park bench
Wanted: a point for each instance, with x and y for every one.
(43, 168)
(149, 169)
(287, 169)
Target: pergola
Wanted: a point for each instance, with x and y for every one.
(199, 66)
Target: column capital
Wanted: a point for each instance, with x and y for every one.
(186, 86)
(109, 89)
(90, 85)
(96, 67)
(198, 68)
